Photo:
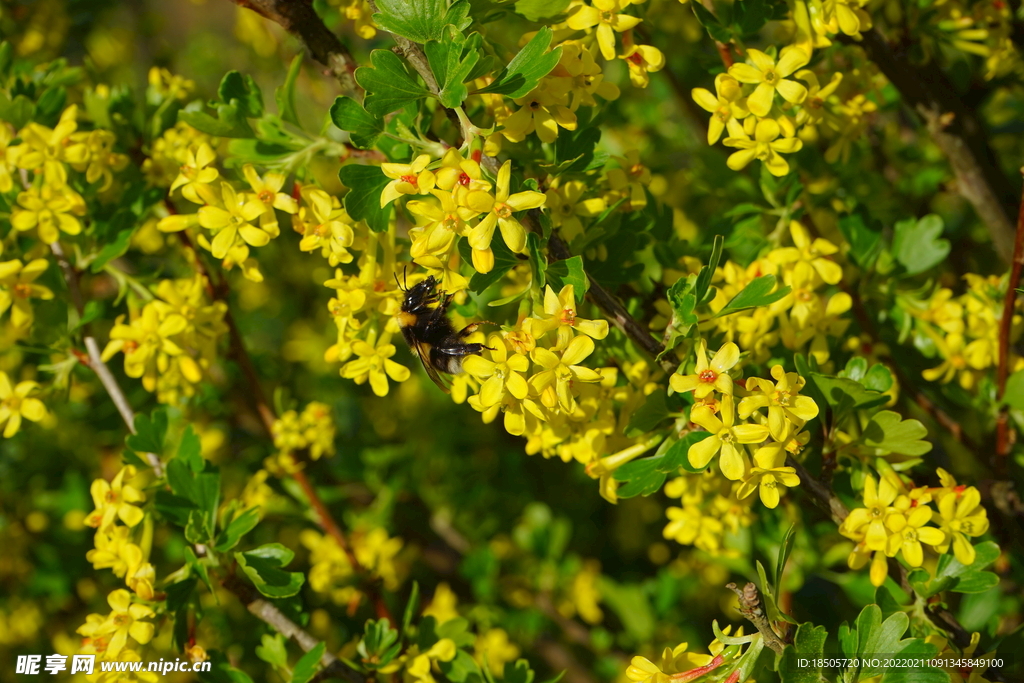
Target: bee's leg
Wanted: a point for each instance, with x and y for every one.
(473, 327)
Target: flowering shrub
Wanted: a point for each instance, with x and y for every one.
(765, 345)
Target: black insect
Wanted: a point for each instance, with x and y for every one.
(428, 330)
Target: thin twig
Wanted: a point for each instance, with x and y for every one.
(750, 607)
(265, 611)
(957, 131)
(300, 19)
(107, 379)
(1004, 440)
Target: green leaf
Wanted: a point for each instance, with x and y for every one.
(452, 59)
(843, 394)
(631, 604)
(808, 643)
(1014, 394)
(757, 293)
(649, 415)
(421, 20)
(641, 477)
(199, 567)
(706, 272)
(191, 450)
(970, 578)
(526, 69)
(539, 10)
(461, 668)
(229, 122)
(865, 243)
(537, 261)
(236, 528)
(520, 673)
(17, 111)
(241, 89)
(362, 201)
(112, 250)
(709, 22)
(149, 432)
(285, 93)
(888, 432)
(363, 127)
(918, 246)
(920, 650)
(388, 84)
(273, 651)
(308, 664)
(264, 567)
(411, 606)
(678, 455)
(780, 565)
(569, 272)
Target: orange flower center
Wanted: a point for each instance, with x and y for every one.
(411, 179)
(503, 210)
(636, 58)
(130, 346)
(266, 196)
(464, 179)
(22, 290)
(568, 317)
(708, 375)
(110, 497)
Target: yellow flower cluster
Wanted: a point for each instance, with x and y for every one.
(772, 436)
(170, 151)
(17, 403)
(313, 429)
(896, 519)
(708, 509)
(116, 549)
(331, 571)
(964, 330)
(172, 341)
(235, 218)
(803, 320)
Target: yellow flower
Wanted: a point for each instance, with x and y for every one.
(501, 374)
(407, 179)
(915, 533)
(816, 253)
(726, 437)
(93, 152)
(115, 499)
(124, 621)
(629, 180)
(147, 344)
(813, 109)
(542, 110)
(765, 146)
(769, 475)
(555, 382)
(709, 376)
(585, 75)
(16, 403)
(442, 605)
(42, 147)
(960, 517)
(325, 226)
(17, 286)
(642, 60)
(724, 106)
(876, 520)
(114, 550)
(234, 221)
(560, 313)
(771, 77)
(495, 648)
(50, 211)
(443, 224)
(268, 192)
(374, 364)
(607, 16)
(196, 174)
(785, 405)
(567, 206)
(499, 210)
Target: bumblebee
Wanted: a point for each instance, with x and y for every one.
(430, 333)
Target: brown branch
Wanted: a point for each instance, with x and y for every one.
(956, 129)
(1004, 440)
(750, 607)
(300, 19)
(265, 611)
(107, 379)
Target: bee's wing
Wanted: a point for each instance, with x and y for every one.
(424, 355)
